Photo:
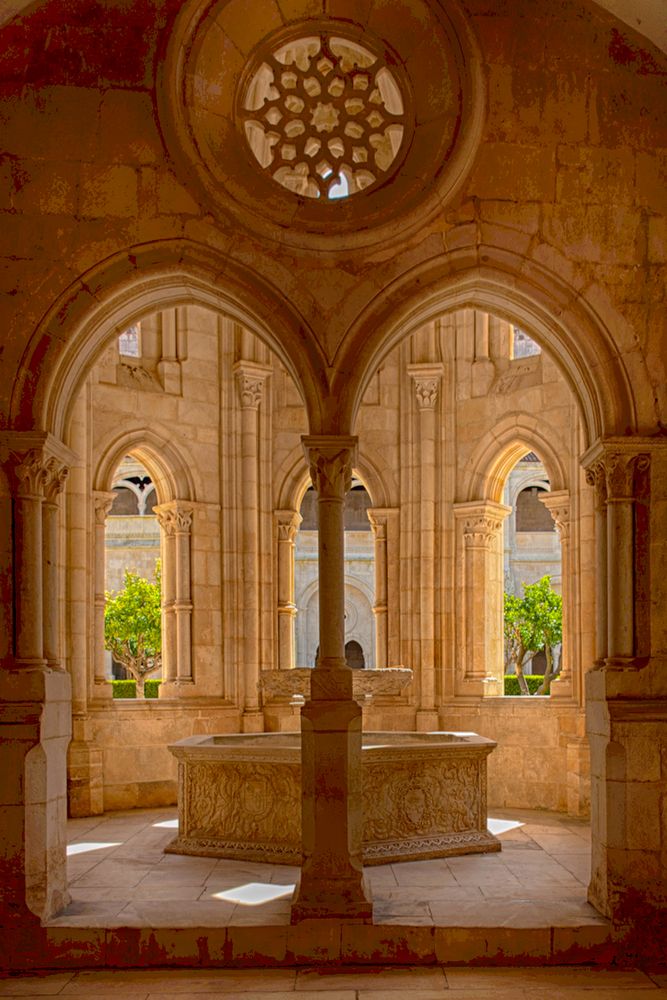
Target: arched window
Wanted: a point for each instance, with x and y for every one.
(132, 542)
(129, 342)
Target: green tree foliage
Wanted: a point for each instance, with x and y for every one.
(531, 623)
(133, 626)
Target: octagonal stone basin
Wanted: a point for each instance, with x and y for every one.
(424, 796)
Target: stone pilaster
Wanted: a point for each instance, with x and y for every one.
(250, 380)
(558, 505)
(626, 696)
(287, 524)
(480, 611)
(35, 694)
(611, 467)
(427, 379)
(332, 882)
(175, 519)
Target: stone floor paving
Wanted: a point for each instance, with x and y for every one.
(372, 983)
(120, 876)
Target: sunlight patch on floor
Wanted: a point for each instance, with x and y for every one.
(502, 825)
(255, 893)
(89, 846)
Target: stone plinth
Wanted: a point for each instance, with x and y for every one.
(424, 796)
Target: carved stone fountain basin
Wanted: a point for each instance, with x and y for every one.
(424, 796)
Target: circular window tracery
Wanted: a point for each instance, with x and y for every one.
(324, 116)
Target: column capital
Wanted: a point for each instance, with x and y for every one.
(37, 463)
(175, 516)
(482, 520)
(557, 503)
(379, 518)
(103, 502)
(287, 521)
(611, 464)
(331, 458)
(250, 379)
(426, 378)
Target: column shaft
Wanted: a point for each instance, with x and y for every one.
(287, 522)
(427, 379)
(103, 502)
(332, 883)
(250, 378)
(481, 527)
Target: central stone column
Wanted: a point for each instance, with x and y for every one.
(332, 881)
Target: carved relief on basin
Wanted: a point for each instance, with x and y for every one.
(424, 796)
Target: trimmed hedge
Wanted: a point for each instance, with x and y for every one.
(128, 688)
(512, 683)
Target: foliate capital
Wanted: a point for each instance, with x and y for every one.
(558, 504)
(250, 379)
(287, 522)
(331, 459)
(426, 379)
(37, 463)
(481, 521)
(103, 503)
(175, 517)
(613, 466)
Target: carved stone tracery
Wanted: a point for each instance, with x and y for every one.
(324, 116)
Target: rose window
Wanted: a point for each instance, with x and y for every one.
(324, 116)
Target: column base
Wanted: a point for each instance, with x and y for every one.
(427, 721)
(252, 722)
(332, 899)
